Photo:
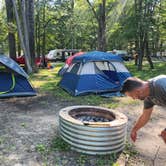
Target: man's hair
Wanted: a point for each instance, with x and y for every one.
(131, 84)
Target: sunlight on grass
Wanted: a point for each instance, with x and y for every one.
(146, 73)
(46, 80)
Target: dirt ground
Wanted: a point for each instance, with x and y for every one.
(28, 122)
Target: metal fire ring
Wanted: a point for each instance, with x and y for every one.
(95, 137)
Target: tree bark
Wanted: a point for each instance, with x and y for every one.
(18, 47)
(148, 53)
(44, 37)
(102, 28)
(44, 32)
(101, 20)
(30, 18)
(25, 26)
(11, 36)
(37, 32)
(27, 60)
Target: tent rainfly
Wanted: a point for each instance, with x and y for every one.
(13, 79)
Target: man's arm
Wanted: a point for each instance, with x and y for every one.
(143, 119)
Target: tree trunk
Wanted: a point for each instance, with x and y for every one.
(25, 25)
(102, 27)
(140, 57)
(11, 36)
(44, 37)
(148, 53)
(136, 52)
(27, 60)
(140, 32)
(37, 32)
(101, 20)
(30, 18)
(18, 47)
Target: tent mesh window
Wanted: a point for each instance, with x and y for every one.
(108, 69)
(104, 66)
(87, 68)
(74, 68)
(120, 67)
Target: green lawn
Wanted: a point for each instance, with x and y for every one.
(46, 80)
(146, 73)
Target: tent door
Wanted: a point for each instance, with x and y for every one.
(108, 70)
(8, 82)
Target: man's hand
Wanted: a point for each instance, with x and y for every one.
(163, 135)
(143, 119)
(133, 135)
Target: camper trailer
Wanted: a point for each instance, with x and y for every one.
(60, 54)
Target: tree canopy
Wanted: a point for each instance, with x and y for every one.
(138, 25)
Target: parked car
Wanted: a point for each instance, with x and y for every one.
(123, 54)
(38, 60)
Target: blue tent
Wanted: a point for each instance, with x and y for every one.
(13, 79)
(94, 72)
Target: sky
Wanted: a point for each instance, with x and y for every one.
(1, 3)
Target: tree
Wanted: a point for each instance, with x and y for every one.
(30, 18)
(144, 12)
(11, 29)
(101, 20)
(25, 26)
(25, 43)
(3, 31)
(140, 27)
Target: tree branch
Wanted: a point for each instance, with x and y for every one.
(93, 10)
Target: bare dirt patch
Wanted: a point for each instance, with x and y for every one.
(27, 123)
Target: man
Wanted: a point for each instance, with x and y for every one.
(153, 92)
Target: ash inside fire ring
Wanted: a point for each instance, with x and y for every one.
(92, 115)
(91, 118)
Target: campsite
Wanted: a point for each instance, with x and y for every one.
(82, 83)
(29, 126)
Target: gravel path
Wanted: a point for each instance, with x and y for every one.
(26, 123)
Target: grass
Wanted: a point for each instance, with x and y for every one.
(147, 73)
(46, 81)
(59, 144)
(41, 148)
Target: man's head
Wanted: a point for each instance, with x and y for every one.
(135, 88)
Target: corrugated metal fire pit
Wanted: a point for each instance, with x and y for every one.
(93, 130)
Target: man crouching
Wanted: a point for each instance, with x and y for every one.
(153, 92)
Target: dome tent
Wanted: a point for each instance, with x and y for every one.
(68, 62)
(14, 80)
(94, 72)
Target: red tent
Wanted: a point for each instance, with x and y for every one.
(69, 59)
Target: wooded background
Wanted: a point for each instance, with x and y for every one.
(33, 27)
